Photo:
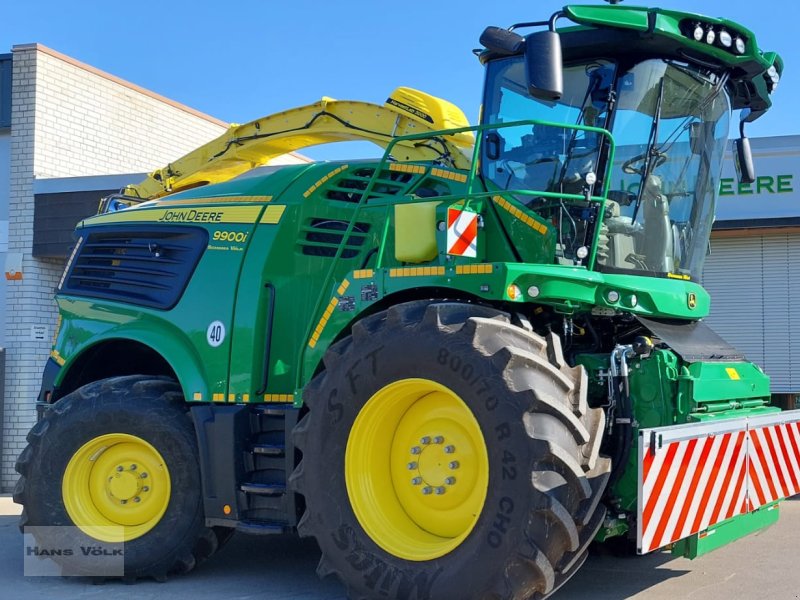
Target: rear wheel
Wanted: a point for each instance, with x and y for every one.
(449, 454)
(116, 462)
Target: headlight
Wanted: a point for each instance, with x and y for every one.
(698, 32)
(740, 47)
(710, 36)
(725, 38)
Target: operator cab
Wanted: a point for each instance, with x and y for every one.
(642, 198)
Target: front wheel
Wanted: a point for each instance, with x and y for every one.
(116, 462)
(449, 454)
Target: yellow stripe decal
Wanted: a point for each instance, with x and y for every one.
(517, 213)
(323, 321)
(197, 396)
(473, 269)
(363, 274)
(58, 358)
(218, 397)
(406, 168)
(278, 397)
(245, 397)
(212, 200)
(416, 271)
(449, 175)
(273, 214)
(314, 187)
(223, 214)
(732, 373)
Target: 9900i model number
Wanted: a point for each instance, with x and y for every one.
(229, 236)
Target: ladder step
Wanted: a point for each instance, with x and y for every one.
(259, 528)
(274, 410)
(269, 449)
(264, 489)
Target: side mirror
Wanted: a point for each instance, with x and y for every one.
(743, 159)
(543, 65)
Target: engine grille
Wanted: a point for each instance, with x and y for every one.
(149, 267)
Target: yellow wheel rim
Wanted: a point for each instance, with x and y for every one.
(116, 487)
(416, 469)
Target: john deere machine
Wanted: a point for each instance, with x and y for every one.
(456, 366)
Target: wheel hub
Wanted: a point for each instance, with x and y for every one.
(430, 498)
(435, 469)
(116, 487)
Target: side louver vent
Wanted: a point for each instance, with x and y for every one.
(144, 267)
(350, 186)
(322, 237)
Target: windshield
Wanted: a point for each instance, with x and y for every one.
(670, 125)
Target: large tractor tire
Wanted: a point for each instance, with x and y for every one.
(448, 454)
(116, 462)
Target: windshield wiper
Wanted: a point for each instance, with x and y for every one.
(652, 152)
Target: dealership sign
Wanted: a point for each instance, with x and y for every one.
(774, 194)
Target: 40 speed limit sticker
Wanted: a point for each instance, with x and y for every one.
(215, 334)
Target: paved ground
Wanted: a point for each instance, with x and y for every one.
(766, 565)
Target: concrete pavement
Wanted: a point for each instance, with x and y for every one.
(765, 565)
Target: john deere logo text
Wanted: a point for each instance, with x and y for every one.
(691, 300)
(191, 216)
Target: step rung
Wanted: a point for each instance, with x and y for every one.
(254, 528)
(269, 449)
(264, 489)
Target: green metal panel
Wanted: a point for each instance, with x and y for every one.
(726, 532)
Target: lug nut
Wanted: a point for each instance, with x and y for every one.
(143, 475)
(119, 468)
(438, 439)
(416, 450)
(440, 491)
(137, 499)
(450, 480)
(416, 481)
(449, 449)
(426, 490)
(454, 464)
(145, 489)
(425, 440)
(133, 467)
(123, 501)
(412, 466)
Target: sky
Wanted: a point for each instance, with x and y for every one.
(241, 60)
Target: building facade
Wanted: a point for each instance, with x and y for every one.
(752, 271)
(69, 134)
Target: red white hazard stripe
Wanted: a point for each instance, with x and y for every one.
(774, 457)
(462, 232)
(699, 475)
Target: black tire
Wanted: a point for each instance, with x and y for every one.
(546, 477)
(150, 408)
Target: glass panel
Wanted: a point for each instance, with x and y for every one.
(670, 127)
(542, 157)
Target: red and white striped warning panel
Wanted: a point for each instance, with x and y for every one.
(462, 232)
(694, 476)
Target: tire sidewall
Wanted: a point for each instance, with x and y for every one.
(81, 417)
(450, 359)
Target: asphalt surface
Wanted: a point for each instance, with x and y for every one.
(765, 565)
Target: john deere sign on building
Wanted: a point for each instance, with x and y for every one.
(753, 273)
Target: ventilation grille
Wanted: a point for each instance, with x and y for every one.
(350, 186)
(147, 268)
(322, 237)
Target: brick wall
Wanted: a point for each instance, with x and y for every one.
(69, 120)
